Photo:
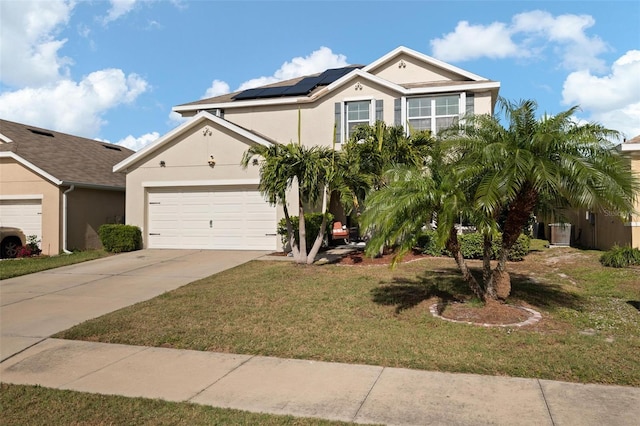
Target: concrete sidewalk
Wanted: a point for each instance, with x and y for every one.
(357, 393)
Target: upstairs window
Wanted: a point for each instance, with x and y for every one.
(350, 114)
(433, 113)
(356, 113)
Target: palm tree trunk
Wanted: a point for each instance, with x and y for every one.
(318, 242)
(295, 251)
(453, 245)
(487, 253)
(302, 233)
(517, 217)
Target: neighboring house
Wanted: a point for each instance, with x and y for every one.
(603, 230)
(59, 187)
(187, 189)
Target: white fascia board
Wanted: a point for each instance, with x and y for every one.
(5, 139)
(424, 58)
(457, 88)
(194, 121)
(31, 166)
(184, 183)
(22, 197)
(626, 147)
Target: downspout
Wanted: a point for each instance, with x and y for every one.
(65, 218)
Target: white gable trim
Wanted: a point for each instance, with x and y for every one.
(193, 122)
(424, 58)
(626, 147)
(5, 139)
(188, 183)
(31, 166)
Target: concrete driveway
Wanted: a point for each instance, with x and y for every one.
(33, 307)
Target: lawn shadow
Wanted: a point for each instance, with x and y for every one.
(634, 303)
(445, 284)
(543, 295)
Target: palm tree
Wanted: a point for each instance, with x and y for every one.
(282, 167)
(547, 163)
(482, 170)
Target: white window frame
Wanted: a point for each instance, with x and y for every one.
(432, 97)
(343, 114)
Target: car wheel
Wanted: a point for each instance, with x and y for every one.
(10, 247)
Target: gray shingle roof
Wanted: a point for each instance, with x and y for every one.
(68, 158)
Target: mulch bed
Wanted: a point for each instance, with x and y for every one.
(359, 258)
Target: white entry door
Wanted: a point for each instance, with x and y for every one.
(210, 218)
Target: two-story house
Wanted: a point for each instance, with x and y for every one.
(187, 189)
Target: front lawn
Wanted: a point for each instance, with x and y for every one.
(590, 331)
(10, 268)
(30, 405)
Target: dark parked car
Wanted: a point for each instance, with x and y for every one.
(12, 239)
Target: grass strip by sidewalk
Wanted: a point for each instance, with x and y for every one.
(590, 331)
(31, 405)
(10, 268)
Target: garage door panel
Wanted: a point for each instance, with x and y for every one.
(23, 214)
(210, 219)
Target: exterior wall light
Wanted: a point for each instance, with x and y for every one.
(212, 161)
(162, 163)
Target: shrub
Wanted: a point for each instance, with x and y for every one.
(24, 251)
(426, 242)
(621, 257)
(472, 246)
(120, 238)
(519, 250)
(33, 245)
(312, 222)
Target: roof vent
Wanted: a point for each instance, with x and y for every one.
(41, 133)
(113, 147)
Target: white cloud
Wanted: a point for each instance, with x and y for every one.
(176, 119)
(217, 88)
(118, 8)
(44, 94)
(612, 99)
(72, 107)
(28, 47)
(319, 60)
(137, 143)
(468, 42)
(528, 35)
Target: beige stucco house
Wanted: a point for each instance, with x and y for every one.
(59, 187)
(602, 229)
(187, 189)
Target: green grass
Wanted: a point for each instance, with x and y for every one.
(10, 268)
(590, 330)
(34, 405)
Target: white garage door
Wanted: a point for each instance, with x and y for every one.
(210, 219)
(23, 214)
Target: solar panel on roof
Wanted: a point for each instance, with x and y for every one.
(303, 87)
(271, 92)
(248, 94)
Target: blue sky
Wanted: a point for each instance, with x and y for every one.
(113, 70)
